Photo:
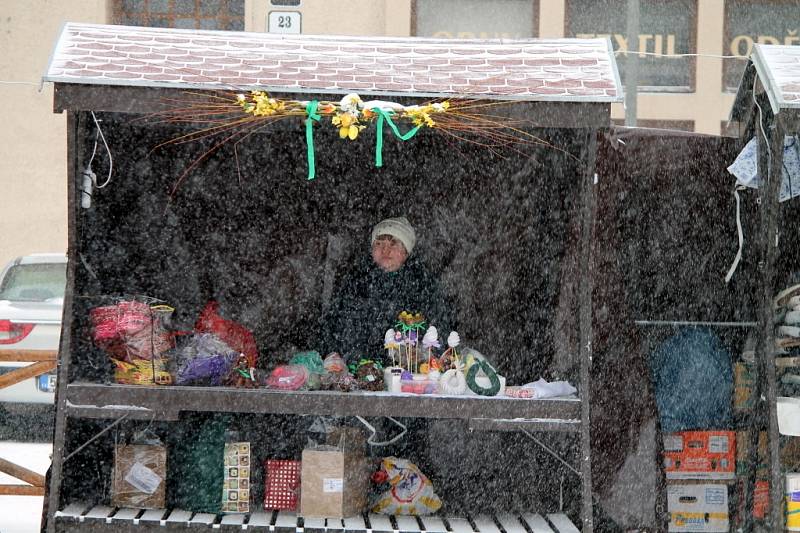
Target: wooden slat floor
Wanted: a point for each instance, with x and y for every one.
(77, 516)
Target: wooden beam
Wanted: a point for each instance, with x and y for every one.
(21, 473)
(28, 356)
(21, 490)
(148, 100)
(25, 372)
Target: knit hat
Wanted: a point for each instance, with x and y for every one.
(399, 228)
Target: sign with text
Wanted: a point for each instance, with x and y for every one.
(284, 22)
(755, 21)
(666, 29)
(477, 19)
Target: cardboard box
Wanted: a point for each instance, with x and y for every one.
(236, 481)
(760, 500)
(742, 452)
(700, 455)
(742, 387)
(334, 483)
(140, 471)
(790, 455)
(698, 507)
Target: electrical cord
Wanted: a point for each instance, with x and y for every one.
(94, 150)
(373, 432)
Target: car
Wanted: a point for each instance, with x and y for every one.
(31, 306)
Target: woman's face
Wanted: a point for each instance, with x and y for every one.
(389, 253)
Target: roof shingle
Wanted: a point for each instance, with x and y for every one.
(778, 66)
(582, 70)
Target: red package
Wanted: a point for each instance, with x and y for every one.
(288, 377)
(232, 333)
(282, 486)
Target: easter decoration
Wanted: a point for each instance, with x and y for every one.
(392, 374)
(233, 116)
(409, 325)
(430, 341)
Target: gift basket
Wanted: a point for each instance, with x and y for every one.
(133, 333)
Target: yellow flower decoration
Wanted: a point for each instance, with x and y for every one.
(348, 125)
(260, 104)
(421, 115)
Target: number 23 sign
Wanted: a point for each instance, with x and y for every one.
(284, 22)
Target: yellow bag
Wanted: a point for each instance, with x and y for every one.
(411, 492)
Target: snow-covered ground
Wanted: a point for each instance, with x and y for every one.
(22, 514)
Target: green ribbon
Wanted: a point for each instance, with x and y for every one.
(385, 116)
(405, 328)
(311, 111)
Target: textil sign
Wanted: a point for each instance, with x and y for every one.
(666, 28)
(756, 21)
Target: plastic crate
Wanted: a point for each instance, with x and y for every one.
(281, 484)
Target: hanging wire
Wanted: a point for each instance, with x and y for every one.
(373, 432)
(626, 52)
(110, 158)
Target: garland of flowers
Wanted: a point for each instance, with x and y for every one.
(350, 115)
(234, 116)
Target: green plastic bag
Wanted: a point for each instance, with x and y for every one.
(198, 463)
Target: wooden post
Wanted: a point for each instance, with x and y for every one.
(588, 213)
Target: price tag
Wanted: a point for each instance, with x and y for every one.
(284, 21)
(332, 484)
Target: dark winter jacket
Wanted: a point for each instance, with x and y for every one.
(368, 301)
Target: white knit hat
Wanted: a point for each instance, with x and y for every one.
(399, 228)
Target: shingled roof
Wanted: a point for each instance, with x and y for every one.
(779, 69)
(567, 70)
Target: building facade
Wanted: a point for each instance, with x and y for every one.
(685, 56)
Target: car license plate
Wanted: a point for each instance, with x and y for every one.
(46, 383)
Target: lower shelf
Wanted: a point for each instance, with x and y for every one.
(84, 517)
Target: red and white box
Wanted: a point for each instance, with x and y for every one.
(700, 455)
(281, 484)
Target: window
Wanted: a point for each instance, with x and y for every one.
(34, 281)
(755, 21)
(475, 19)
(666, 27)
(187, 14)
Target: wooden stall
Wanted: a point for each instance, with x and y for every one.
(767, 107)
(238, 219)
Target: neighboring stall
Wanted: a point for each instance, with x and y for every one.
(263, 222)
(768, 108)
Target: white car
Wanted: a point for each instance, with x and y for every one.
(31, 305)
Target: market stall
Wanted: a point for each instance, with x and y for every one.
(175, 232)
(767, 107)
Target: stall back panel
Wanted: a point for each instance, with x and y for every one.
(245, 227)
(676, 216)
(664, 237)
